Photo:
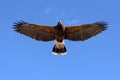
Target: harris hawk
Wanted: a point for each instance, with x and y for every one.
(60, 32)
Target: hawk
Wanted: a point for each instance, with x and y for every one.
(59, 33)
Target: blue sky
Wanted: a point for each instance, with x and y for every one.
(22, 58)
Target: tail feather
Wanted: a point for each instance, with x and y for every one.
(59, 50)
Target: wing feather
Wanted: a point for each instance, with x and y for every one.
(37, 32)
(84, 32)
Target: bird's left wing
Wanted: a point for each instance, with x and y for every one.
(84, 32)
(37, 32)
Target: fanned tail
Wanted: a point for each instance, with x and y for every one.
(59, 49)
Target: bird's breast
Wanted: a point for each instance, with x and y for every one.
(59, 36)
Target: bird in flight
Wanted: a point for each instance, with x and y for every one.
(59, 33)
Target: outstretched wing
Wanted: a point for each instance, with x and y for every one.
(84, 32)
(37, 32)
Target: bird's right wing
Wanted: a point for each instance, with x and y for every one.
(37, 32)
(84, 32)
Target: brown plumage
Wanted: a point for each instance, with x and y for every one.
(60, 32)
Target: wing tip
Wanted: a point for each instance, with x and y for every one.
(103, 24)
(18, 24)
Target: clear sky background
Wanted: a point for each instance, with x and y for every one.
(22, 58)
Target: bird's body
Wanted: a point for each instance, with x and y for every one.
(59, 33)
(59, 47)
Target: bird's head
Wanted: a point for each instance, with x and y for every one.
(60, 25)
